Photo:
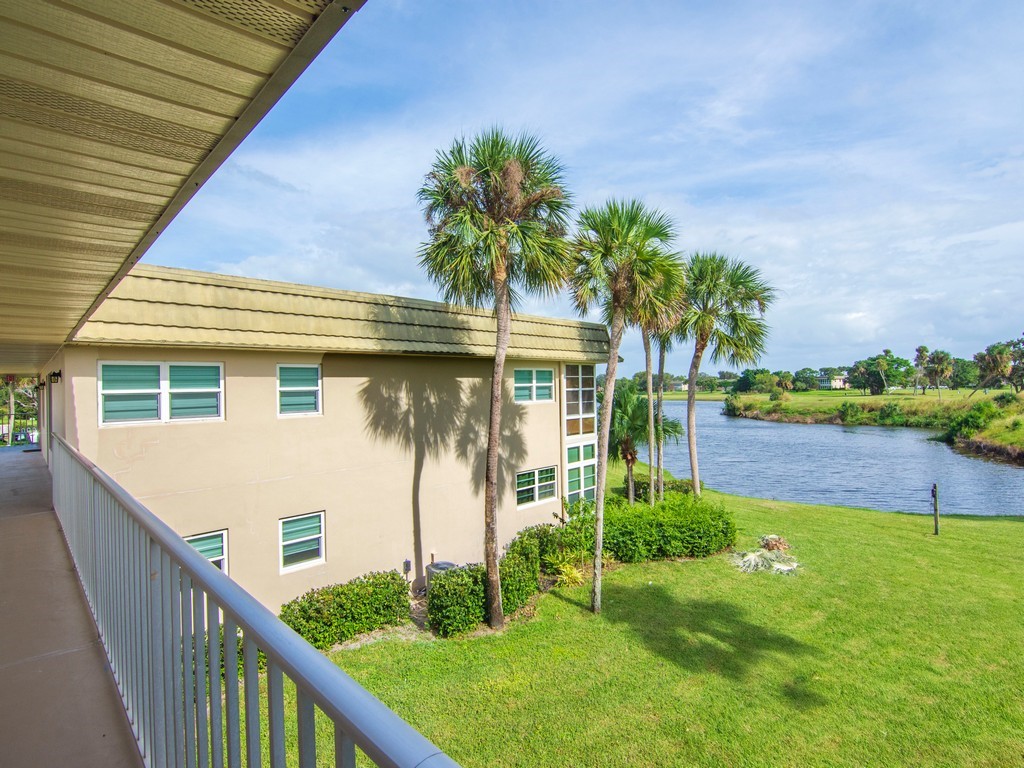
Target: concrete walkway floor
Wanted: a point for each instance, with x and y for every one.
(58, 702)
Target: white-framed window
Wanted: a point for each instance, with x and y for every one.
(533, 385)
(580, 400)
(134, 392)
(302, 541)
(298, 390)
(535, 485)
(581, 472)
(213, 546)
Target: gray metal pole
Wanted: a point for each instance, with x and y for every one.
(935, 505)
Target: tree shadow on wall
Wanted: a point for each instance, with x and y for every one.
(419, 416)
(429, 417)
(707, 636)
(471, 445)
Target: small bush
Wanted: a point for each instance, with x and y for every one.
(519, 571)
(642, 482)
(681, 526)
(967, 423)
(456, 600)
(333, 614)
(1005, 399)
(891, 414)
(547, 537)
(732, 406)
(850, 412)
(779, 396)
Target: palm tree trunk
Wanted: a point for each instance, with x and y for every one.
(617, 326)
(661, 421)
(630, 487)
(10, 413)
(646, 335)
(503, 314)
(691, 413)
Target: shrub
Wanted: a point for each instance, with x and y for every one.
(967, 423)
(569, 575)
(732, 406)
(456, 600)
(779, 396)
(577, 535)
(681, 526)
(547, 537)
(850, 412)
(642, 482)
(1005, 399)
(333, 614)
(891, 413)
(520, 573)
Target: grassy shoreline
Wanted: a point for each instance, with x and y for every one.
(870, 655)
(1003, 438)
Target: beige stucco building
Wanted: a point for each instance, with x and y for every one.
(302, 436)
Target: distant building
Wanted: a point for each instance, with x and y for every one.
(833, 382)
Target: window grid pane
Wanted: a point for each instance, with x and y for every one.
(193, 405)
(580, 399)
(299, 377)
(128, 377)
(135, 407)
(194, 377)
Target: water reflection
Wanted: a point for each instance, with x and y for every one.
(878, 467)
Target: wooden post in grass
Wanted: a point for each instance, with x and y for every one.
(935, 505)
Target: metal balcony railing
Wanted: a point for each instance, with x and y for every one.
(162, 610)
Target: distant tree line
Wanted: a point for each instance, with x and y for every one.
(999, 364)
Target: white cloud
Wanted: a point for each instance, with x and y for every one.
(867, 158)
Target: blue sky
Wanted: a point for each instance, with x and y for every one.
(868, 157)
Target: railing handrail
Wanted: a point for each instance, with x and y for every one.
(378, 731)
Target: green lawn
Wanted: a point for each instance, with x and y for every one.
(889, 647)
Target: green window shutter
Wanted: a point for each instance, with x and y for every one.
(573, 455)
(195, 405)
(126, 377)
(301, 527)
(297, 552)
(194, 377)
(545, 393)
(299, 401)
(545, 377)
(546, 475)
(523, 376)
(522, 394)
(134, 407)
(304, 376)
(589, 476)
(588, 452)
(211, 546)
(524, 480)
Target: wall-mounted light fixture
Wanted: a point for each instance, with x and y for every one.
(55, 377)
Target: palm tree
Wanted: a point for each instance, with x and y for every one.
(724, 301)
(496, 210)
(920, 361)
(939, 368)
(629, 430)
(664, 345)
(655, 316)
(619, 263)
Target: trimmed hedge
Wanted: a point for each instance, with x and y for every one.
(456, 600)
(680, 526)
(333, 614)
(641, 484)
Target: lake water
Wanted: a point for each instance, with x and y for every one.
(878, 467)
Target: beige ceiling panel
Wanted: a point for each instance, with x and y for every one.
(70, 221)
(46, 78)
(53, 143)
(118, 174)
(112, 114)
(61, 180)
(133, 45)
(184, 28)
(131, 78)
